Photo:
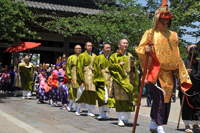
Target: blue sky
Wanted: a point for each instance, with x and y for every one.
(186, 37)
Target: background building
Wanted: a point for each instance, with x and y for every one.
(53, 44)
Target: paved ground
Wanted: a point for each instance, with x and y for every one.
(17, 115)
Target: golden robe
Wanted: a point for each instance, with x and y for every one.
(164, 61)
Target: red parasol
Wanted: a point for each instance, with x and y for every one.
(21, 47)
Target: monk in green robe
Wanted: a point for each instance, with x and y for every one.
(123, 70)
(26, 69)
(103, 81)
(86, 93)
(71, 75)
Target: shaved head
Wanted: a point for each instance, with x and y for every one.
(77, 49)
(122, 40)
(77, 46)
(88, 47)
(87, 43)
(123, 45)
(26, 59)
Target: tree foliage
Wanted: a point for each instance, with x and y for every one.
(123, 19)
(14, 21)
(129, 20)
(126, 20)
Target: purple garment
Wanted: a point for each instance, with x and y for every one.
(63, 87)
(42, 95)
(55, 94)
(5, 82)
(64, 93)
(12, 75)
(50, 94)
(159, 110)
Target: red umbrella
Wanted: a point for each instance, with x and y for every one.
(21, 47)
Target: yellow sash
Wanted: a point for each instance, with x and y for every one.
(88, 76)
(73, 83)
(109, 81)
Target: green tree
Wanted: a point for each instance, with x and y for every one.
(126, 20)
(15, 21)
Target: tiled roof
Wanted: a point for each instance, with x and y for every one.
(72, 6)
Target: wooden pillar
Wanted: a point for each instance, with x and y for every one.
(15, 54)
(1, 55)
(66, 46)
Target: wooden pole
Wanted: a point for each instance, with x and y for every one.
(140, 95)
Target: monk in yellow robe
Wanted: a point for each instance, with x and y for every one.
(71, 75)
(103, 82)
(27, 69)
(86, 93)
(165, 60)
(123, 70)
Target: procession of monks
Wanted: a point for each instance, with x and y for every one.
(113, 80)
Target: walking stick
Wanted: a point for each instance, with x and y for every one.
(140, 95)
(183, 98)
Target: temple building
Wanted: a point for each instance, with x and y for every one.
(53, 44)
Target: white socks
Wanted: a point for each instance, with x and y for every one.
(153, 125)
(160, 129)
(78, 110)
(121, 123)
(70, 106)
(101, 113)
(90, 114)
(126, 121)
(89, 111)
(104, 115)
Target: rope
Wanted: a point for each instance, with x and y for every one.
(189, 95)
(189, 102)
(156, 85)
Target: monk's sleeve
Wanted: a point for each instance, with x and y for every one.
(153, 66)
(98, 75)
(116, 69)
(79, 70)
(140, 50)
(20, 66)
(68, 68)
(183, 77)
(96, 70)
